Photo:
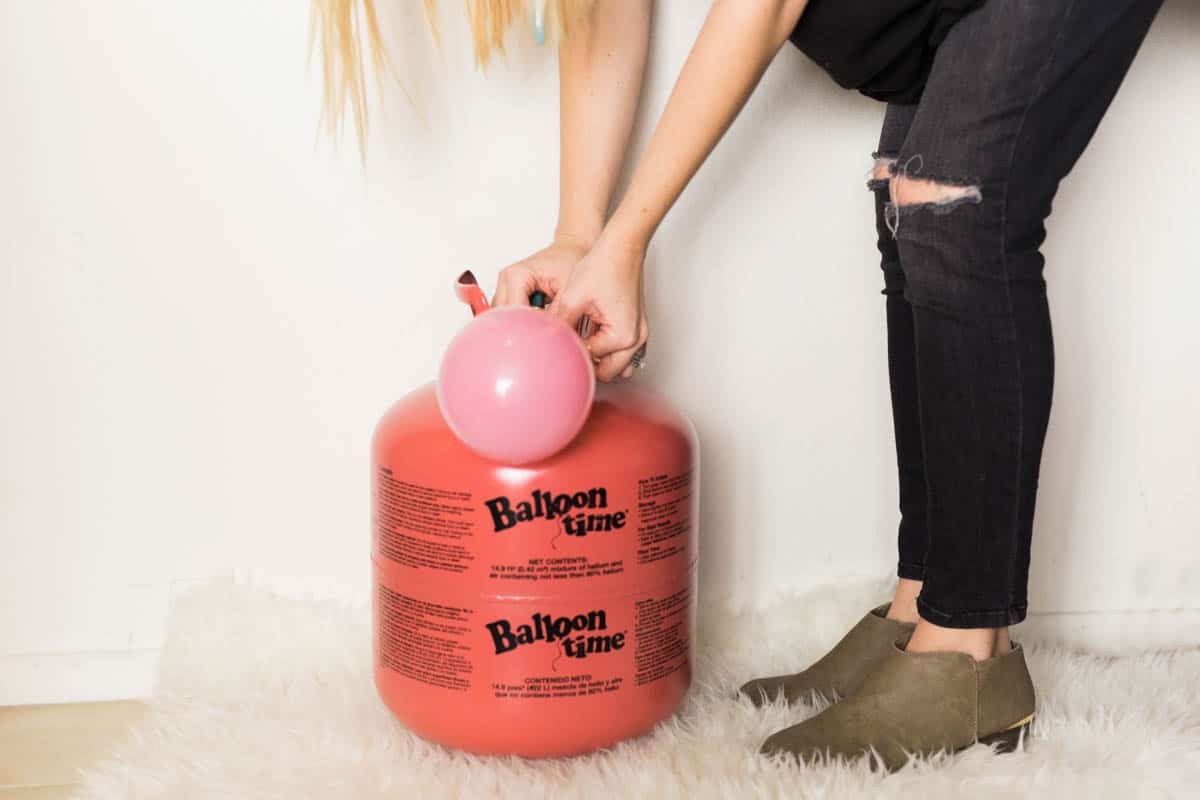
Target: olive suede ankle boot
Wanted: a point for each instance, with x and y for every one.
(840, 671)
(920, 703)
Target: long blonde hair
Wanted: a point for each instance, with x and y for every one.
(350, 39)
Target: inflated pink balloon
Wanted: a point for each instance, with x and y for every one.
(516, 384)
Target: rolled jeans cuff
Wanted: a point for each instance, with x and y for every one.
(1000, 618)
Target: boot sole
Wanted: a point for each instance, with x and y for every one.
(1009, 739)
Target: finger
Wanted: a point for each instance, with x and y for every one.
(567, 308)
(504, 294)
(612, 365)
(610, 338)
(501, 295)
(621, 362)
(604, 344)
(511, 289)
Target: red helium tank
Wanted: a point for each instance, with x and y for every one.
(539, 610)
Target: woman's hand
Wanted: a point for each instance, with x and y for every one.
(547, 271)
(606, 286)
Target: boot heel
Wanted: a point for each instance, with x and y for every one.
(1007, 741)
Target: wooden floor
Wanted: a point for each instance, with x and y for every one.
(42, 748)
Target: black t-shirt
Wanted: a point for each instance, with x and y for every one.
(883, 48)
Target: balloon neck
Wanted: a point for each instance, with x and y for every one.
(466, 288)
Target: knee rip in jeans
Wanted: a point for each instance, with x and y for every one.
(910, 193)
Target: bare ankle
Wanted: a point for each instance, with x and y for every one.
(979, 643)
(904, 602)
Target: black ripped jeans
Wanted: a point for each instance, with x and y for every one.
(1016, 92)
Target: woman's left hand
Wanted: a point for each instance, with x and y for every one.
(606, 286)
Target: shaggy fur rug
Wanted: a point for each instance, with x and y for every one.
(262, 696)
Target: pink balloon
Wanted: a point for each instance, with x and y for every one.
(516, 384)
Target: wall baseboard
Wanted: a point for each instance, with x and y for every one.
(1115, 632)
(35, 678)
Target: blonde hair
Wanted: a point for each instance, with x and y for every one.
(350, 39)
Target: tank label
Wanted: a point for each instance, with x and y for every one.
(613, 531)
(664, 516)
(424, 641)
(421, 526)
(662, 628)
(527, 649)
(552, 687)
(580, 513)
(589, 627)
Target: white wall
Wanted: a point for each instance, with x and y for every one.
(205, 307)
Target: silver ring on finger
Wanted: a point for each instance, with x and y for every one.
(639, 358)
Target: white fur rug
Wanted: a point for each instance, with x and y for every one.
(267, 697)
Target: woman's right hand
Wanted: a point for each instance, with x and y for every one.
(547, 271)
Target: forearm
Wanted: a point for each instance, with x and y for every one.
(736, 44)
(600, 79)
